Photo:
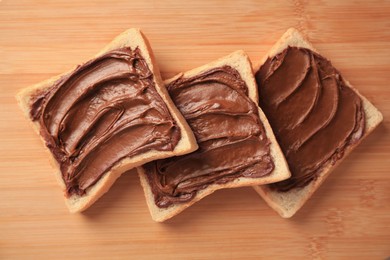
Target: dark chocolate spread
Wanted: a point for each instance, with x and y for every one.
(231, 137)
(104, 111)
(314, 115)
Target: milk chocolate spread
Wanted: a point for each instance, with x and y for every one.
(232, 140)
(105, 110)
(314, 115)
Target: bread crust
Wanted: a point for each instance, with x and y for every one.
(288, 203)
(239, 61)
(131, 38)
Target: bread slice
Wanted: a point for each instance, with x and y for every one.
(239, 61)
(132, 38)
(289, 202)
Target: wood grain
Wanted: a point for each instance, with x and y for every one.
(348, 217)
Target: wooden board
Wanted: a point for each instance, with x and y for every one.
(347, 218)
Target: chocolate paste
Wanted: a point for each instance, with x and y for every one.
(104, 111)
(232, 140)
(314, 115)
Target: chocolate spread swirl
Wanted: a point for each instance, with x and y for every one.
(104, 111)
(314, 115)
(231, 137)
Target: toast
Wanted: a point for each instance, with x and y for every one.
(132, 41)
(240, 62)
(287, 203)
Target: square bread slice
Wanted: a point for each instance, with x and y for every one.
(131, 40)
(287, 203)
(240, 62)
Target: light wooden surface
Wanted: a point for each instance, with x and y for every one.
(347, 218)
